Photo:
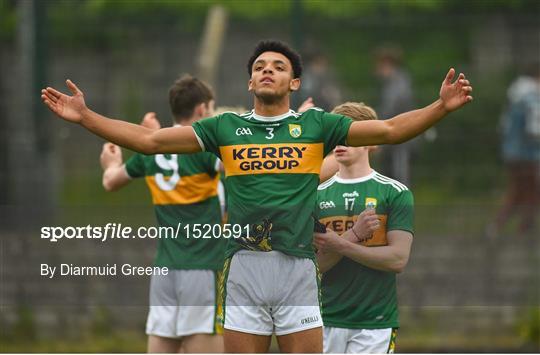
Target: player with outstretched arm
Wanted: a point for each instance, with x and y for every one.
(272, 157)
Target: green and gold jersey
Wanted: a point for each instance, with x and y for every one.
(184, 189)
(353, 295)
(272, 167)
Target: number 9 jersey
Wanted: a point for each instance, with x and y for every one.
(184, 189)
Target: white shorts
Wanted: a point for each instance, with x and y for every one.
(183, 303)
(359, 341)
(270, 292)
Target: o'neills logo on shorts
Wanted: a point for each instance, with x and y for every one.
(287, 158)
(309, 320)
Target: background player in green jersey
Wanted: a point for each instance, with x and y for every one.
(184, 188)
(360, 312)
(272, 159)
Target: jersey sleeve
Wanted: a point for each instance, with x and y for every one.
(207, 134)
(135, 166)
(335, 130)
(401, 212)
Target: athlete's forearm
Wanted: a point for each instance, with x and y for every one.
(327, 260)
(125, 134)
(115, 177)
(139, 138)
(397, 129)
(385, 258)
(349, 236)
(410, 124)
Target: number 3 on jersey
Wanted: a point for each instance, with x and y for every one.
(167, 183)
(270, 134)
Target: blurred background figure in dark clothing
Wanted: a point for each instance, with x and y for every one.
(319, 83)
(396, 96)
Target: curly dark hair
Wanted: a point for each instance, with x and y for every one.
(279, 47)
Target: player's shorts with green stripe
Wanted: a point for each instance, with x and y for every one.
(359, 341)
(260, 298)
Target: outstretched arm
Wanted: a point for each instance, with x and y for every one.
(453, 95)
(125, 134)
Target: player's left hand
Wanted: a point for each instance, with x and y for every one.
(327, 242)
(111, 155)
(455, 94)
(366, 223)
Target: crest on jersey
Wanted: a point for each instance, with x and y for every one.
(295, 130)
(371, 202)
(259, 237)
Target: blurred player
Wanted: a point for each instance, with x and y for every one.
(360, 310)
(521, 155)
(184, 188)
(272, 157)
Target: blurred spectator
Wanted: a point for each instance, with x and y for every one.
(396, 96)
(319, 83)
(521, 153)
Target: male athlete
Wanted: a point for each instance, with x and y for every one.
(184, 188)
(272, 158)
(359, 307)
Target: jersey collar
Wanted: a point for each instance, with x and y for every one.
(271, 118)
(355, 180)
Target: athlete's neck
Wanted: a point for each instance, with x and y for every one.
(271, 109)
(358, 169)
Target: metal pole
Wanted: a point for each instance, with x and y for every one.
(297, 35)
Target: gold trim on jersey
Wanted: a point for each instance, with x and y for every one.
(190, 189)
(218, 316)
(340, 224)
(285, 158)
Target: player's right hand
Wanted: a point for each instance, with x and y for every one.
(151, 121)
(70, 108)
(329, 241)
(111, 155)
(366, 223)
